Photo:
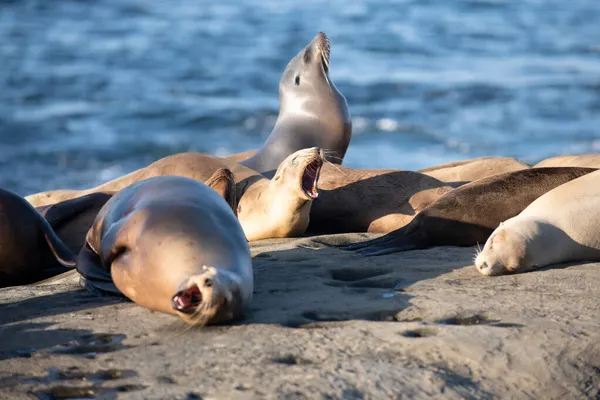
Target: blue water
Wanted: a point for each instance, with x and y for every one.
(90, 90)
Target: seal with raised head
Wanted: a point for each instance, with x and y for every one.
(477, 168)
(370, 200)
(562, 225)
(468, 215)
(183, 254)
(583, 160)
(312, 112)
(29, 249)
(274, 208)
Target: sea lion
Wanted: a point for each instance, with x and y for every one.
(312, 112)
(72, 219)
(562, 225)
(239, 157)
(29, 249)
(469, 214)
(584, 160)
(185, 254)
(477, 168)
(370, 200)
(266, 208)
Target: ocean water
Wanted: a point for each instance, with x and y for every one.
(90, 90)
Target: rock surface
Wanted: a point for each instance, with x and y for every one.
(324, 323)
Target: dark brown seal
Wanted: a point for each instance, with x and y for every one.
(469, 214)
(370, 200)
(29, 249)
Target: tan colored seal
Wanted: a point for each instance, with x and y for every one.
(239, 157)
(184, 254)
(312, 112)
(29, 249)
(562, 225)
(266, 208)
(477, 168)
(468, 215)
(584, 160)
(370, 200)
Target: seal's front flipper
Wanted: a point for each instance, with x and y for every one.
(223, 182)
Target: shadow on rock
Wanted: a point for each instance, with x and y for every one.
(304, 283)
(51, 304)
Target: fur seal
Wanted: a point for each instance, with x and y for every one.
(312, 112)
(560, 226)
(477, 168)
(183, 254)
(584, 160)
(370, 200)
(29, 249)
(274, 208)
(468, 215)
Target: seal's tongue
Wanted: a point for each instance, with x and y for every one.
(187, 300)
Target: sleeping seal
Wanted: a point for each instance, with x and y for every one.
(468, 215)
(562, 225)
(477, 168)
(184, 254)
(584, 160)
(312, 112)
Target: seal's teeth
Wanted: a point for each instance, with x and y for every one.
(187, 300)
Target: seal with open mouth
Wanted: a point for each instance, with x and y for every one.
(312, 112)
(274, 208)
(184, 254)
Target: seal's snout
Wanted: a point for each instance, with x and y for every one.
(187, 300)
(323, 49)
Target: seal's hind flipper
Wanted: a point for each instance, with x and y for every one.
(409, 237)
(94, 277)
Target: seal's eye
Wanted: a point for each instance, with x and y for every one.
(298, 80)
(208, 282)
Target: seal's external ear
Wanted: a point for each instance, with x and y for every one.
(223, 182)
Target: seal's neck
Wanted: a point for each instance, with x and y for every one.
(266, 211)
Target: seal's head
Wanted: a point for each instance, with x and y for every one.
(306, 86)
(282, 208)
(210, 297)
(508, 249)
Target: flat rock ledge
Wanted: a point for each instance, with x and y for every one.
(324, 324)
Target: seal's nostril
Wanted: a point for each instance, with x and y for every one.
(483, 265)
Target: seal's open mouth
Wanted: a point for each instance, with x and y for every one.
(310, 177)
(186, 301)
